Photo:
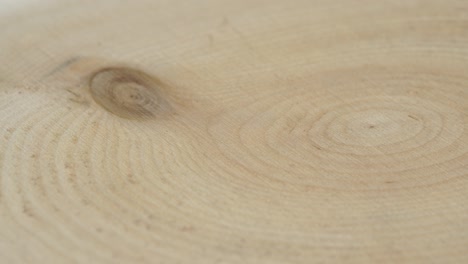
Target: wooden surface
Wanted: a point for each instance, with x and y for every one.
(211, 131)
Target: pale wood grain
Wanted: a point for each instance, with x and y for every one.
(234, 132)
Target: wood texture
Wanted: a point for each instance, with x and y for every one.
(234, 131)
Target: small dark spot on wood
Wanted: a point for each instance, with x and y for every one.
(187, 229)
(27, 210)
(210, 40)
(131, 179)
(224, 22)
(413, 117)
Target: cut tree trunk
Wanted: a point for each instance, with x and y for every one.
(210, 131)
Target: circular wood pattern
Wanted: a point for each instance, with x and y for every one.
(126, 92)
(234, 131)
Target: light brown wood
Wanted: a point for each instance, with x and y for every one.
(210, 131)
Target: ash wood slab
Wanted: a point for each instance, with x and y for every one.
(234, 131)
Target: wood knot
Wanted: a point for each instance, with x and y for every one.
(127, 93)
